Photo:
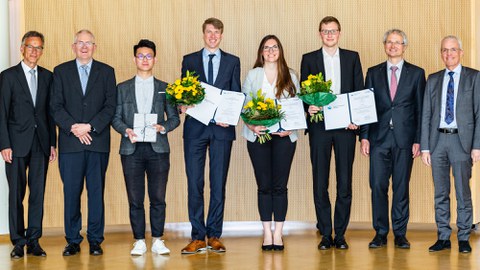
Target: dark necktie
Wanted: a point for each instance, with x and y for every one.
(449, 110)
(210, 69)
(393, 82)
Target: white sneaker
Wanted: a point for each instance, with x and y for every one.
(139, 248)
(158, 247)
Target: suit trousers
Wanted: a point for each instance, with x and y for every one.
(388, 160)
(76, 169)
(449, 154)
(321, 144)
(271, 162)
(36, 163)
(195, 151)
(156, 165)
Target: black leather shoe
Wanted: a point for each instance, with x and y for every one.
(402, 242)
(36, 250)
(326, 243)
(340, 243)
(71, 249)
(278, 247)
(440, 245)
(464, 247)
(267, 247)
(17, 252)
(378, 241)
(96, 249)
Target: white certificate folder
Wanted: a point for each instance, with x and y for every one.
(356, 107)
(219, 105)
(143, 127)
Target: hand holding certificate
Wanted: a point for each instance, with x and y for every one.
(220, 106)
(144, 127)
(294, 115)
(356, 107)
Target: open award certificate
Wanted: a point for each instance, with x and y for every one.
(294, 115)
(356, 107)
(218, 106)
(143, 127)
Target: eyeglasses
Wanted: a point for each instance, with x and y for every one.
(327, 32)
(452, 50)
(37, 48)
(394, 43)
(268, 48)
(80, 44)
(142, 57)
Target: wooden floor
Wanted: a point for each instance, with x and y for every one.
(244, 253)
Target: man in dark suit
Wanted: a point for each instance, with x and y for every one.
(394, 141)
(144, 94)
(221, 70)
(27, 142)
(451, 139)
(343, 67)
(82, 105)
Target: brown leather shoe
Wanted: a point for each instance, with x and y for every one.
(215, 245)
(194, 247)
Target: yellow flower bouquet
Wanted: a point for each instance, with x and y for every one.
(185, 91)
(316, 91)
(261, 111)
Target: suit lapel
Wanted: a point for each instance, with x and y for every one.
(199, 69)
(320, 63)
(404, 76)
(22, 79)
(92, 77)
(131, 95)
(437, 92)
(156, 94)
(384, 82)
(464, 76)
(75, 80)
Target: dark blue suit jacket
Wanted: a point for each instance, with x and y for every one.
(405, 110)
(68, 105)
(19, 118)
(228, 78)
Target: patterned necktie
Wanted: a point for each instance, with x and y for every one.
(449, 110)
(33, 85)
(393, 82)
(84, 77)
(210, 69)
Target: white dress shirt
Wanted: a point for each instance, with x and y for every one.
(332, 70)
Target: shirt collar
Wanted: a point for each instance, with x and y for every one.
(27, 69)
(336, 54)
(139, 79)
(399, 65)
(89, 64)
(457, 70)
(207, 52)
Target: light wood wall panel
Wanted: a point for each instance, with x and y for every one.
(175, 26)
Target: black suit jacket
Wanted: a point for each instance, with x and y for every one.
(70, 106)
(405, 110)
(19, 118)
(350, 70)
(228, 78)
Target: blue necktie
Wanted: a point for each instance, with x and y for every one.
(210, 69)
(450, 96)
(84, 77)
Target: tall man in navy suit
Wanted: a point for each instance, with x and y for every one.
(27, 142)
(394, 141)
(221, 70)
(451, 140)
(343, 67)
(82, 105)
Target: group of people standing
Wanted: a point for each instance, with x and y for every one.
(415, 117)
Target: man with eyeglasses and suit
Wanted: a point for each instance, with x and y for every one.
(394, 141)
(343, 67)
(144, 94)
(451, 140)
(82, 105)
(27, 142)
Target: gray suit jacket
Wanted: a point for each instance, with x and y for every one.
(467, 110)
(127, 107)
